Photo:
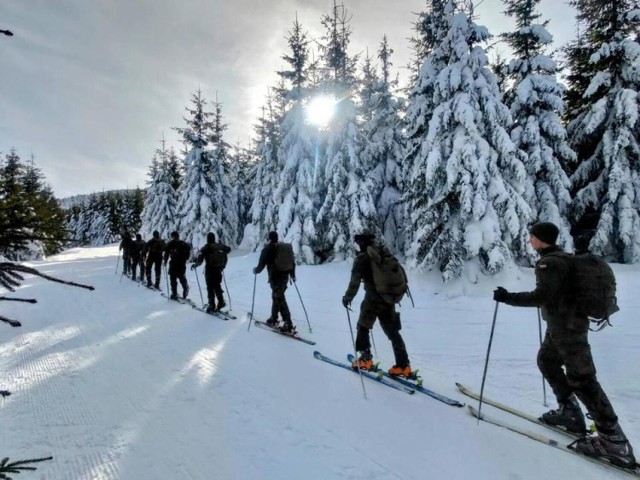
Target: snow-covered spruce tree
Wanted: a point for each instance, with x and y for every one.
(606, 132)
(297, 151)
(103, 209)
(536, 107)
(174, 168)
(263, 211)
(199, 197)
(383, 147)
(430, 29)
(160, 198)
(242, 183)
(341, 214)
(466, 188)
(225, 204)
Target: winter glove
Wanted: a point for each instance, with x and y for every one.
(193, 266)
(346, 302)
(293, 278)
(255, 271)
(501, 294)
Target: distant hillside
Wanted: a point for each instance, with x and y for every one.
(68, 203)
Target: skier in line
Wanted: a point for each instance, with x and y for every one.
(278, 279)
(125, 246)
(179, 251)
(153, 251)
(137, 257)
(374, 306)
(566, 345)
(215, 256)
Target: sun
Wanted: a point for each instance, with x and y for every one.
(320, 110)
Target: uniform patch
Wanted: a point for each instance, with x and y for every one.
(542, 266)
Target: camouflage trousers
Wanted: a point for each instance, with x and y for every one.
(278, 300)
(571, 350)
(374, 307)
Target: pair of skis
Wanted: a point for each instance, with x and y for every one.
(222, 315)
(397, 383)
(293, 334)
(532, 435)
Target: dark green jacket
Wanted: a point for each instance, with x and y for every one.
(361, 273)
(268, 259)
(550, 295)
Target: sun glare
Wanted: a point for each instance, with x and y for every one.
(320, 110)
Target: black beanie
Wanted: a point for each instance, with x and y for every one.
(273, 237)
(546, 232)
(211, 237)
(175, 234)
(156, 234)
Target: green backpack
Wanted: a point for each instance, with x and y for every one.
(592, 287)
(389, 276)
(285, 259)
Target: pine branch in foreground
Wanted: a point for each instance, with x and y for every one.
(18, 467)
(11, 277)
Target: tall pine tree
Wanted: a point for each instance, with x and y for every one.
(297, 153)
(383, 147)
(605, 131)
(467, 183)
(536, 106)
(340, 215)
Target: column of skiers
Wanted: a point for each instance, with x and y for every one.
(564, 357)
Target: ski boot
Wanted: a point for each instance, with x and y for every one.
(568, 416)
(612, 445)
(272, 322)
(398, 371)
(365, 362)
(220, 306)
(210, 309)
(288, 327)
(185, 292)
(174, 296)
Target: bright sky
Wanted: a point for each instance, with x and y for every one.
(90, 87)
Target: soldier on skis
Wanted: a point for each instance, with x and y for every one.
(280, 262)
(373, 307)
(566, 345)
(137, 257)
(215, 257)
(179, 252)
(153, 251)
(125, 246)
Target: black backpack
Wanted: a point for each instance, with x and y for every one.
(389, 276)
(285, 260)
(592, 287)
(217, 255)
(183, 251)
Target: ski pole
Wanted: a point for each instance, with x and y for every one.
(355, 352)
(253, 299)
(199, 289)
(486, 362)
(224, 278)
(373, 342)
(544, 386)
(166, 277)
(410, 297)
(117, 263)
(303, 308)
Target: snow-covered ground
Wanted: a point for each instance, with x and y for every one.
(120, 383)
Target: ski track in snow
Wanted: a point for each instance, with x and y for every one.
(121, 383)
